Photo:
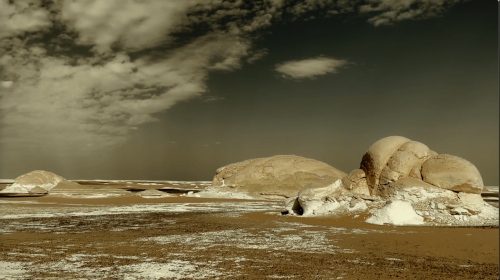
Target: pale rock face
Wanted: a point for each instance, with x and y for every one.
(402, 162)
(152, 192)
(407, 183)
(459, 211)
(405, 162)
(37, 190)
(376, 158)
(355, 182)
(319, 196)
(396, 212)
(388, 175)
(420, 150)
(415, 172)
(292, 205)
(470, 198)
(38, 178)
(452, 173)
(274, 176)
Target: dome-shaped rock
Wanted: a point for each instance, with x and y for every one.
(38, 178)
(377, 156)
(282, 175)
(452, 173)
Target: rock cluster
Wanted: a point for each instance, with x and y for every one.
(272, 177)
(401, 181)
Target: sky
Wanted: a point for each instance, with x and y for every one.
(174, 89)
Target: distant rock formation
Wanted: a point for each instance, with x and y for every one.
(38, 190)
(402, 182)
(152, 192)
(39, 180)
(272, 177)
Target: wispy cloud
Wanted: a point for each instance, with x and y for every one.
(136, 64)
(387, 12)
(309, 68)
(22, 16)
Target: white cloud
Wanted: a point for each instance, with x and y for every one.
(390, 11)
(309, 68)
(21, 17)
(67, 105)
(132, 24)
(256, 55)
(6, 84)
(55, 101)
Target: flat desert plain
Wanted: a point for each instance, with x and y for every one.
(110, 231)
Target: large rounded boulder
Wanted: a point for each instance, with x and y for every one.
(452, 173)
(393, 158)
(377, 156)
(278, 176)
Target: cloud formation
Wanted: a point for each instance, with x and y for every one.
(390, 11)
(136, 59)
(20, 17)
(309, 68)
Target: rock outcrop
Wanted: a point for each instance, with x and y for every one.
(394, 158)
(272, 177)
(37, 190)
(356, 182)
(375, 159)
(452, 173)
(402, 182)
(152, 193)
(39, 179)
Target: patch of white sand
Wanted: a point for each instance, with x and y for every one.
(13, 270)
(308, 241)
(87, 210)
(219, 194)
(172, 270)
(396, 212)
(394, 259)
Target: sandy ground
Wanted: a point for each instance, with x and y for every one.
(125, 236)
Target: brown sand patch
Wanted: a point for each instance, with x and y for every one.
(243, 246)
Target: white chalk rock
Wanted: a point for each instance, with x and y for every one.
(318, 197)
(459, 211)
(274, 176)
(292, 205)
(38, 178)
(452, 173)
(472, 199)
(377, 156)
(355, 182)
(396, 212)
(152, 192)
(420, 150)
(357, 205)
(405, 184)
(38, 190)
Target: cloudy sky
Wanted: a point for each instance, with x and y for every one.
(174, 89)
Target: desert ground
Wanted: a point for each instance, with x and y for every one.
(110, 231)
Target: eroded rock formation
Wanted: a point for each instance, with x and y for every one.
(272, 177)
(401, 181)
(38, 180)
